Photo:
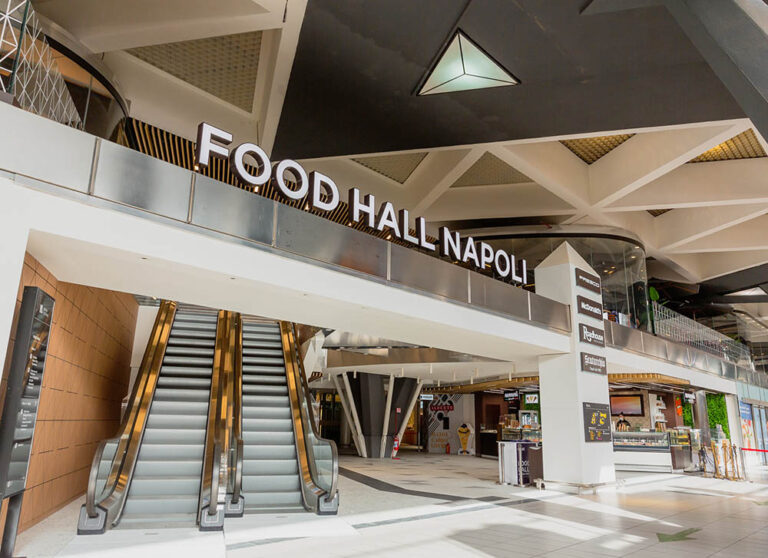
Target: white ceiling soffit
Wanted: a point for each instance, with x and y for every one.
(225, 66)
(490, 170)
(396, 167)
(464, 66)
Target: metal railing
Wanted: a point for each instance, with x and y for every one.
(29, 72)
(108, 485)
(668, 323)
(318, 457)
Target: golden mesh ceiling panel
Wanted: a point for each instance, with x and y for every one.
(224, 66)
(590, 150)
(489, 170)
(743, 146)
(396, 167)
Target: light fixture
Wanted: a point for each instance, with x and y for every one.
(462, 66)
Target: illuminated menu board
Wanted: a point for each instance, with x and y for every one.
(25, 380)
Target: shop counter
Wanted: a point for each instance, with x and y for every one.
(642, 451)
(488, 443)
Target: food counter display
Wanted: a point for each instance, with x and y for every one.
(642, 451)
(514, 434)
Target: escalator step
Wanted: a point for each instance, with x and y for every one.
(264, 390)
(263, 379)
(180, 408)
(189, 360)
(267, 484)
(260, 351)
(268, 438)
(279, 500)
(170, 468)
(193, 371)
(270, 467)
(173, 436)
(277, 362)
(266, 401)
(148, 505)
(189, 351)
(173, 485)
(180, 335)
(184, 383)
(284, 451)
(176, 394)
(257, 369)
(186, 422)
(267, 425)
(254, 412)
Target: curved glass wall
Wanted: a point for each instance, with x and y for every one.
(620, 262)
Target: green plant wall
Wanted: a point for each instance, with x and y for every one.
(717, 412)
(687, 414)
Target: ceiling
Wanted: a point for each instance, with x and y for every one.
(578, 74)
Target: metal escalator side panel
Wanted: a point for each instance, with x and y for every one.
(314, 496)
(217, 436)
(131, 432)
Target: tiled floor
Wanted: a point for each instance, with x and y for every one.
(450, 506)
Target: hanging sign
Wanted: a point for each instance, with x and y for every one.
(591, 335)
(593, 363)
(320, 193)
(589, 307)
(587, 281)
(531, 398)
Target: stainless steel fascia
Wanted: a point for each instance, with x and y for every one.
(550, 312)
(134, 179)
(677, 353)
(654, 346)
(221, 207)
(420, 271)
(64, 158)
(505, 298)
(627, 338)
(308, 235)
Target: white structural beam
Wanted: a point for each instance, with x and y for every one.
(645, 157)
(715, 264)
(749, 235)
(741, 181)
(109, 25)
(504, 200)
(435, 174)
(682, 226)
(553, 166)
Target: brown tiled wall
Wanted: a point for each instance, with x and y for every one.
(86, 377)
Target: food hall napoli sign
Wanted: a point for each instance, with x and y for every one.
(321, 193)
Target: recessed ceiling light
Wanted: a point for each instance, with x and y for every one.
(462, 66)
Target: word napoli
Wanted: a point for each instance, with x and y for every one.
(321, 193)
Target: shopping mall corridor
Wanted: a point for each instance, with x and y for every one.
(440, 505)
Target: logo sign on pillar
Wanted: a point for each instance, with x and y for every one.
(588, 281)
(593, 363)
(591, 335)
(589, 307)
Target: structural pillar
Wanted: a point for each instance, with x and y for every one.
(575, 407)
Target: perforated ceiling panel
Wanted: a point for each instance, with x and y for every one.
(743, 146)
(489, 170)
(396, 167)
(590, 150)
(222, 66)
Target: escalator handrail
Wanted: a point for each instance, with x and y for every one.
(217, 432)
(134, 422)
(237, 410)
(302, 388)
(93, 478)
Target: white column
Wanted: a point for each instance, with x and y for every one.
(574, 386)
(13, 232)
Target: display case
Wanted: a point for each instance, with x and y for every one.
(641, 441)
(514, 434)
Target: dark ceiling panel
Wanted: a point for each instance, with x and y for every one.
(358, 65)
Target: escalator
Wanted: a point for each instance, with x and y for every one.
(166, 481)
(218, 424)
(271, 480)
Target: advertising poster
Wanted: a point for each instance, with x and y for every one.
(451, 424)
(747, 427)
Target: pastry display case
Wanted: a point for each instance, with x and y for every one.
(641, 441)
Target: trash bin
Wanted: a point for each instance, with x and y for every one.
(535, 464)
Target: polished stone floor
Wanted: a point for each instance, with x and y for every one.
(441, 505)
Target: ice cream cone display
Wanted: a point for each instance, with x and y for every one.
(465, 432)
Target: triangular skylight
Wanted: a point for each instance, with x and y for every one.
(463, 66)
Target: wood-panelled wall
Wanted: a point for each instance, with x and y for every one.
(86, 378)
